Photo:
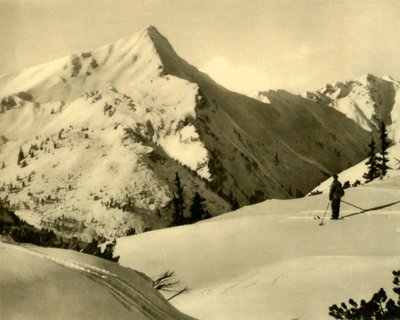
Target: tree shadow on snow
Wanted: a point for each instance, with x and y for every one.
(372, 209)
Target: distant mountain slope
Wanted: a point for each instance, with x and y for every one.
(38, 283)
(367, 100)
(267, 148)
(104, 133)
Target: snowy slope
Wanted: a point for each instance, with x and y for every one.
(273, 260)
(38, 283)
(102, 129)
(125, 75)
(356, 172)
(367, 100)
(105, 131)
(259, 95)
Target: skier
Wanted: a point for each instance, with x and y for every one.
(335, 194)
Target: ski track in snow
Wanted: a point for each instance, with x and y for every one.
(67, 264)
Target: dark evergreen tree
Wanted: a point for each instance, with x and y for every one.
(299, 194)
(232, 201)
(373, 168)
(290, 191)
(109, 252)
(379, 307)
(21, 156)
(131, 231)
(197, 210)
(3, 166)
(179, 203)
(92, 248)
(383, 152)
(276, 161)
(235, 204)
(346, 184)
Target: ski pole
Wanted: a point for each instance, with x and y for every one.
(326, 210)
(353, 205)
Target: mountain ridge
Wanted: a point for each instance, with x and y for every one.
(112, 126)
(368, 100)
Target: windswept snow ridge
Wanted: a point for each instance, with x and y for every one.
(74, 286)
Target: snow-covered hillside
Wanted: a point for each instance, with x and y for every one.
(104, 132)
(100, 130)
(121, 78)
(38, 283)
(354, 175)
(274, 261)
(367, 100)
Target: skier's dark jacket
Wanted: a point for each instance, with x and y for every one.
(336, 191)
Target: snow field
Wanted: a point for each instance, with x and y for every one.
(273, 260)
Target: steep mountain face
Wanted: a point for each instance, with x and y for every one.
(104, 132)
(267, 148)
(368, 100)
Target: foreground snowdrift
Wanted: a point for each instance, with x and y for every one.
(273, 260)
(38, 283)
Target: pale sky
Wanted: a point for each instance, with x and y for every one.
(246, 45)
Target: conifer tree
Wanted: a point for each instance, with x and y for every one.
(383, 152)
(290, 191)
(3, 166)
(21, 156)
(179, 203)
(235, 204)
(379, 307)
(276, 161)
(373, 168)
(197, 210)
(299, 194)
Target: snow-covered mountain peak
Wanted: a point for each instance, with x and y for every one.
(123, 63)
(115, 107)
(130, 66)
(368, 100)
(154, 34)
(106, 130)
(366, 79)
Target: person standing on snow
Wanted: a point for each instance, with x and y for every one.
(335, 194)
